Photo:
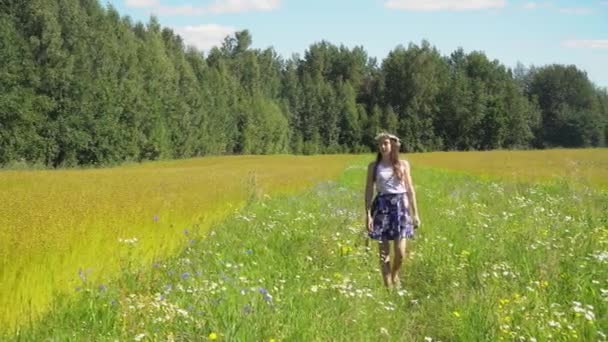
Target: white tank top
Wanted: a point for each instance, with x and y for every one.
(387, 182)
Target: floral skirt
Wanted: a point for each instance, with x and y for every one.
(391, 218)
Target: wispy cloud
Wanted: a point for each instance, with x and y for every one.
(586, 43)
(537, 5)
(534, 5)
(531, 5)
(576, 10)
(204, 37)
(445, 5)
(142, 3)
(218, 7)
(233, 6)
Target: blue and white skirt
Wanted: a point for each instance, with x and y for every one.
(391, 218)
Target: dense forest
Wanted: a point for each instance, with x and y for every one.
(82, 85)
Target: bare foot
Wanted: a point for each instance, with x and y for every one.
(396, 282)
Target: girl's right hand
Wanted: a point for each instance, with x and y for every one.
(369, 223)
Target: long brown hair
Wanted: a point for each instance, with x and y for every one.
(395, 162)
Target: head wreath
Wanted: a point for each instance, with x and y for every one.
(388, 135)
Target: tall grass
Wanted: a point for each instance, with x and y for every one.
(60, 228)
(493, 260)
(588, 167)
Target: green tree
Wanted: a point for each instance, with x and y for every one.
(569, 106)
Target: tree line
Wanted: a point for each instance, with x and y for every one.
(82, 85)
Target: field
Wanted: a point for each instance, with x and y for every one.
(59, 227)
(513, 246)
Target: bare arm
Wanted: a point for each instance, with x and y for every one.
(369, 189)
(411, 192)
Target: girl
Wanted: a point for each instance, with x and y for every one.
(393, 214)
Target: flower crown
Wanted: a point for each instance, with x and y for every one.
(388, 135)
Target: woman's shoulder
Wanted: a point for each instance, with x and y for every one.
(405, 163)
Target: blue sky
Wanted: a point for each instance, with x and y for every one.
(532, 32)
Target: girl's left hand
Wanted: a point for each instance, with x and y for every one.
(416, 221)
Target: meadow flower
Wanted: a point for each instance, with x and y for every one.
(82, 275)
(601, 256)
(131, 241)
(213, 336)
(139, 337)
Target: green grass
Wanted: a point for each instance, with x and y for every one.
(493, 260)
(54, 223)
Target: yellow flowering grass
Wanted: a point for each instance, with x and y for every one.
(579, 166)
(60, 229)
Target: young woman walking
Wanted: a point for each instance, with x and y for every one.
(393, 213)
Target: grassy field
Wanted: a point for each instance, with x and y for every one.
(587, 167)
(59, 227)
(495, 259)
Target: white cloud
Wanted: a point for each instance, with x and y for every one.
(444, 5)
(142, 3)
(586, 43)
(576, 10)
(204, 37)
(180, 10)
(235, 6)
(218, 7)
(537, 5)
(533, 5)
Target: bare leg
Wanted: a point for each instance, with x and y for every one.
(385, 262)
(399, 246)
